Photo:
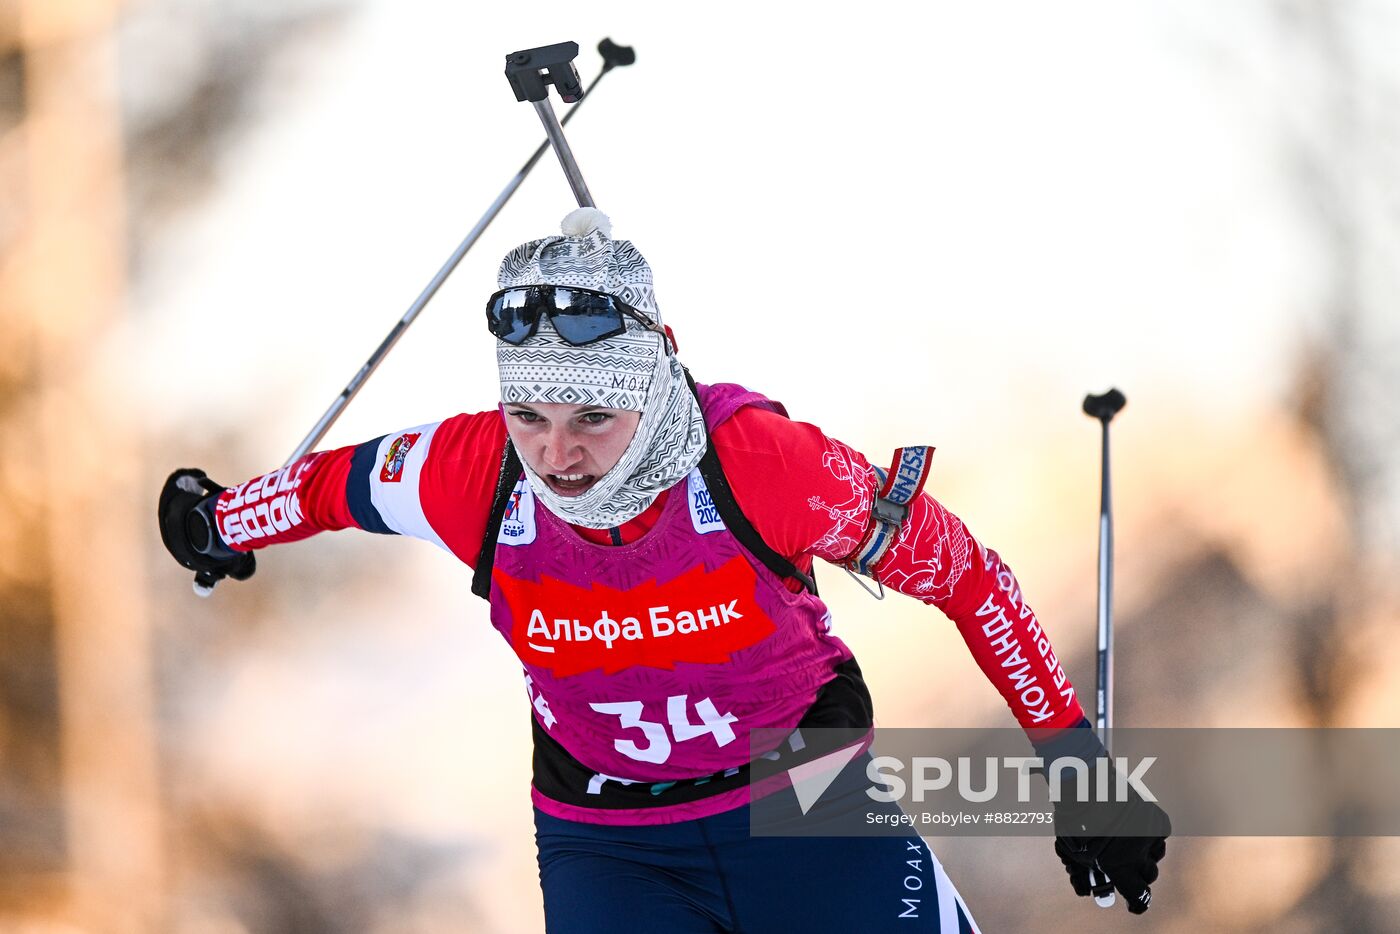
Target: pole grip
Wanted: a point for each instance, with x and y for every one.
(531, 72)
(1104, 406)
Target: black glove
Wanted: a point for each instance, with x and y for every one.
(1092, 842)
(186, 514)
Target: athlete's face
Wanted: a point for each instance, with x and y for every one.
(570, 446)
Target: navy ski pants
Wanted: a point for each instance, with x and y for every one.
(710, 875)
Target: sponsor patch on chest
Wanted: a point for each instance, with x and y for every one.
(701, 617)
(703, 514)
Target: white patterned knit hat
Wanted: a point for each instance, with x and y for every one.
(632, 371)
(615, 373)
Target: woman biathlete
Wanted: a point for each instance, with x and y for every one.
(646, 545)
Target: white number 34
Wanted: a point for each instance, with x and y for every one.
(658, 743)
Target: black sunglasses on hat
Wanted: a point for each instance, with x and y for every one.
(580, 316)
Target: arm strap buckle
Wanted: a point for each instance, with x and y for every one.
(899, 486)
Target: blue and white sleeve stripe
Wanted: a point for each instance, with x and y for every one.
(364, 465)
(382, 489)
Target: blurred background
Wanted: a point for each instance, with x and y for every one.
(938, 226)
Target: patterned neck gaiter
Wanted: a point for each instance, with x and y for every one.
(670, 438)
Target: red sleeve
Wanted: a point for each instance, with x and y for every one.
(805, 493)
(937, 560)
(287, 505)
(808, 494)
(433, 482)
(458, 480)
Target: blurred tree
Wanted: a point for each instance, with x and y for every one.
(79, 622)
(1339, 138)
(31, 831)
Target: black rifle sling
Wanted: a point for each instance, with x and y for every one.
(720, 493)
(728, 507)
(511, 470)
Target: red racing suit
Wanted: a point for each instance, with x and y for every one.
(806, 494)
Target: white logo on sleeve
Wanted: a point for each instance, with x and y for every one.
(703, 514)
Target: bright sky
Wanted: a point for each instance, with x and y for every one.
(1084, 199)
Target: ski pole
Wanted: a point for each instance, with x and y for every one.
(530, 73)
(1104, 407)
(614, 55)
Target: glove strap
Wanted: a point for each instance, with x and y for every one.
(201, 526)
